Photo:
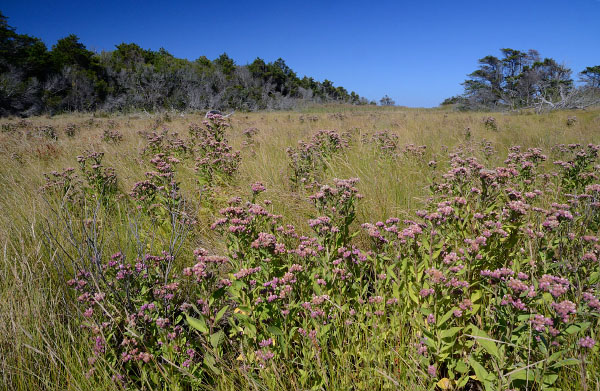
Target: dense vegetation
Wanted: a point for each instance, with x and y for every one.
(69, 77)
(525, 80)
(460, 252)
(341, 247)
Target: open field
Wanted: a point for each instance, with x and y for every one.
(494, 286)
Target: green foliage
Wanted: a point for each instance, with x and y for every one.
(216, 161)
(101, 182)
(226, 64)
(591, 76)
(69, 51)
(518, 79)
(453, 100)
(71, 78)
(493, 285)
(309, 159)
(495, 280)
(129, 56)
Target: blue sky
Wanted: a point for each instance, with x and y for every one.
(416, 52)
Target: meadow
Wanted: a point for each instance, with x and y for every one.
(337, 247)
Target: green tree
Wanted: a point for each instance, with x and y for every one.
(130, 55)
(225, 64)
(69, 51)
(517, 79)
(258, 68)
(71, 77)
(283, 77)
(27, 54)
(591, 76)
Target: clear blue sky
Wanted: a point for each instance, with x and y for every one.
(416, 52)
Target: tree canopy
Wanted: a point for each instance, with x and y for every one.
(519, 79)
(591, 76)
(70, 77)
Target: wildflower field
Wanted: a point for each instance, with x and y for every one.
(335, 248)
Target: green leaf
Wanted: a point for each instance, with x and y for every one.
(220, 314)
(250, 330)
(550, 379)
(461, 366)
(216, 338)
(210, 362)
(390, 272)
(324, 330)
(412, 294)
(566, 362)
(425, 245)
(446, 316)
(523, 374)
(524, 317)
(198, 324)
(241, 317)
(484, 340)
(236, 286)
(460, 383)
(480, 371)
(429, 339)
(450, 332)
(577, 327)
(275, 331)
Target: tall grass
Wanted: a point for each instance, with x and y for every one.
(41, 343)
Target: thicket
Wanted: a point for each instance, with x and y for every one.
(520, 80)
(69, 77)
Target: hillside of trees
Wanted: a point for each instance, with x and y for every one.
(520, 80)
(69, 77)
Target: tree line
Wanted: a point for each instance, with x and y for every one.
(518, 80)
(69, 77)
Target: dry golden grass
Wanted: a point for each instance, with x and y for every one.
(389, 187)
(38, 348)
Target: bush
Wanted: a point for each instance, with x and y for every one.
(494, 284)
(308, 160)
